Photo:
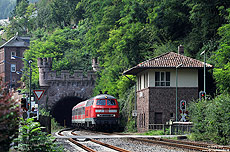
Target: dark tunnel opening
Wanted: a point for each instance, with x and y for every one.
(62, 110)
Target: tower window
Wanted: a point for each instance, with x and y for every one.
(13, 67)
(13, 53)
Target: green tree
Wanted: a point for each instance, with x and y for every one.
(221, 58)
(206, 19)
(23, 19)
(57, 13)
(64, 46)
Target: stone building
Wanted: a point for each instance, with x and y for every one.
(157, 88)
(8, 64)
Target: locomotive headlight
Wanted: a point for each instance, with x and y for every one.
(98, 115)
(114, 115)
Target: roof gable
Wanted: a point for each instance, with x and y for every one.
(15, 41)
(167, 60)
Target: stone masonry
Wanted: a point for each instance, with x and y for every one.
(63, 84)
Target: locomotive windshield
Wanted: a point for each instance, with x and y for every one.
(101, 102)
(111, 102)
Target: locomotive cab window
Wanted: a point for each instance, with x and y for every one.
(101, 102)
(111, 102)
(89, 103)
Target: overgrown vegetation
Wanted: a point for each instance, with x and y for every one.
(32, 139)
(211, 119)
(9, 113)
(54, 125)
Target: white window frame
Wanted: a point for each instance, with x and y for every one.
(13, 53)
(162, 80)
(139, 82)
(13, 68)
(146, 80)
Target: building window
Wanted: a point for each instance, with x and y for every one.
(171, 115)
(13, 67)
(162, 78)
(13, 53)
(145, 80)
(139, 82)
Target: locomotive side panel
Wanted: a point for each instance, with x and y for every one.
(97, 112)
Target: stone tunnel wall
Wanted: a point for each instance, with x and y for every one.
(63, 84)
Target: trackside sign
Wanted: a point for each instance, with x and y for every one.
(38, 93)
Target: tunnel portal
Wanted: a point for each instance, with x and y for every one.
(62, 110)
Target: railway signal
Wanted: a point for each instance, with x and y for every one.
(183, 105)
(202, 95)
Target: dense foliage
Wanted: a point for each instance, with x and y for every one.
(32, 139)
(9, 113)
(222, 58)
(211, 119)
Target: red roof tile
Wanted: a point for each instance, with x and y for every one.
(167, 60)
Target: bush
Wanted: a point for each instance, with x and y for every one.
(131, 126)
(126, 108)
(211, 119)
(9, 113)
(32, 139)
(55, 126)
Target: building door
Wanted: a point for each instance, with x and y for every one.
(158, 117)
(158, 120)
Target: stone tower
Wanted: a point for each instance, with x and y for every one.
(44, 66)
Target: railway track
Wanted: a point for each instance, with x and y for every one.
(185, 144)
(90, 145)
(95, 145)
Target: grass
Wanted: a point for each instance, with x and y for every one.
(55, 126)
(153, 132)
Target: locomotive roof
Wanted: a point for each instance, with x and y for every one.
(103, 96)
(81, 104)
(100, 96)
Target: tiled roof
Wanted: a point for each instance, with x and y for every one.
(16, 41)
(167, 60)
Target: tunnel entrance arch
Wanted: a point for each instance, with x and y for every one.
(62, 110)
(63, 89)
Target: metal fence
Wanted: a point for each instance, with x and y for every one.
(173, 127)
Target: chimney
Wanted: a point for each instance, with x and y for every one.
(181, 50)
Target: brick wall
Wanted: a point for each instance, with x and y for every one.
(143, 110)
(19, 64)
(160, 101)
(5, 68)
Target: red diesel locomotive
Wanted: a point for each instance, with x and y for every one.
(98, 112)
